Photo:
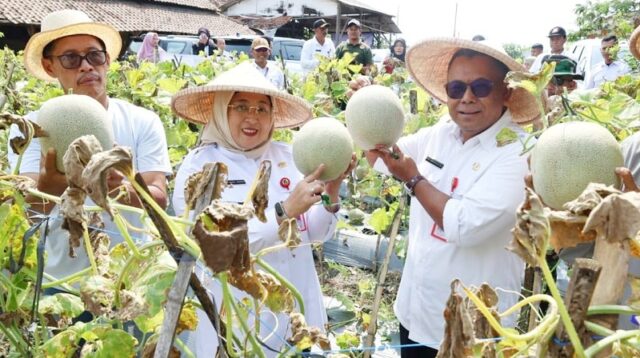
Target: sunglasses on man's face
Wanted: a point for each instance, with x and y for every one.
(261, 49)
(480, 88)
(73, 60)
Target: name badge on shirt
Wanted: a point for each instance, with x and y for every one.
(236, 182)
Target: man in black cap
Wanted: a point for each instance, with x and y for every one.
(557, 38)
(319, 44)
(204, 44)
(354, 45)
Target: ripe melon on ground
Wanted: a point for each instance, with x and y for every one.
(569, 156)
(374, 115)
(325, 141)
(69, 117)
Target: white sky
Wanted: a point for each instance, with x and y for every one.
(501, 21)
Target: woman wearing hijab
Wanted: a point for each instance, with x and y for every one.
(396, 57)
(240, 110)
(150, 51)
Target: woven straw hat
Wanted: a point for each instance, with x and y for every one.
(634, 43)
(428, 62)
(67, 23)
(196, 104)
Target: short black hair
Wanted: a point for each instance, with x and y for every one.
(469, 53)
(537, 45)
(613, 38)
(478, 38)
(47, 51)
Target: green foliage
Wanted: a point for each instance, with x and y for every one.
(517, 52)
(607, 17)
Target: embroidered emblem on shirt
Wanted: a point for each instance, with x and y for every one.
(475, 166)
(285, 183)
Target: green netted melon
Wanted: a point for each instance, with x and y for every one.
(569, 156)
(356, 216)
(374, 115)
(69, 117)
(325, 141)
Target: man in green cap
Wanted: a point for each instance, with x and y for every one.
(564, 75)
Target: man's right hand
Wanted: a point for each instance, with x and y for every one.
(50, 180)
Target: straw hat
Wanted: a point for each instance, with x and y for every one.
(67, 23)
(196, 104)
(634, 43)
(428, 62)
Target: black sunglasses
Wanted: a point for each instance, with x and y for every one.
(480, 88)
(73, 60)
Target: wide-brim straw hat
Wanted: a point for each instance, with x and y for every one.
(64, 23)
(196, 104)
(634, 43)
(428, 63)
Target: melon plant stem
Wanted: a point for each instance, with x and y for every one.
(126, 267)
(89, 249)
(294, 291)
(122, 227)
(564, 314)
(73, 277)
(606, 341)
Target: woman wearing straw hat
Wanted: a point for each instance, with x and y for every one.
(465, 186)
(240, 109)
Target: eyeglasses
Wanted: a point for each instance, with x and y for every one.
(480, 88)
(73, 60)
(244, 108)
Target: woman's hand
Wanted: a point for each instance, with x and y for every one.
(332, 187)
(305, 194)
(399, 165)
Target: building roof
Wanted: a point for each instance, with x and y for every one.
(263, 23)
(178, 17)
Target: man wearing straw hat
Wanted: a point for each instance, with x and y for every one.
(465, 187)
(76, 52)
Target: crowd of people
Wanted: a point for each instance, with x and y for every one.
(458, 226)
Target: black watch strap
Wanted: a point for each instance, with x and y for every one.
(411, 184)
(280, 212)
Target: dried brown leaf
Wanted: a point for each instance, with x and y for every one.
(303, 336)
(616, 218)
(222, 233)
(77, 157)
(260, 195)
(459, 338)
(289, 234)
(100, 243)
(97, 294)
(132, 306)
(94, 175)
(197, 183)
(28, 129)
(150, 349)
(73, 216)
(590, 198)
(531, 230)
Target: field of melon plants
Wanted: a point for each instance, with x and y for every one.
(130, 285)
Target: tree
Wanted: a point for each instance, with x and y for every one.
(603, 18)
(516, 51)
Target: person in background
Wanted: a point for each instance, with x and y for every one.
(396, 56)
(76, 52)
(564, 75)
(261, 51)
(222, 44)
(536, 49)
(319, 44)
(459, 224)
(354, 45)
(478, 38)
(204, 44)
(610, 68)
(557, 39)
(242, 111)
(528, 62)
(150, 51)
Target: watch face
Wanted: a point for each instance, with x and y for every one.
(279, 209)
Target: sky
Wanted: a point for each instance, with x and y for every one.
(500, 21)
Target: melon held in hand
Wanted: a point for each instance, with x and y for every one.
(374, 115)
(69, 117)
(325, 141)
(569, 156)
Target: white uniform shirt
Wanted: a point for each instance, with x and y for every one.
(602, 73)
(537, 64)
(486, 186)
(297, 265)
(134, 127)
(311, 48)
(273, 73)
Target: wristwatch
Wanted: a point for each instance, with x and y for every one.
(410, 185)
(280, 213)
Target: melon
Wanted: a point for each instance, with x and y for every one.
(325, 141)
(569, 156)
(69, 117)
(374, 115)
